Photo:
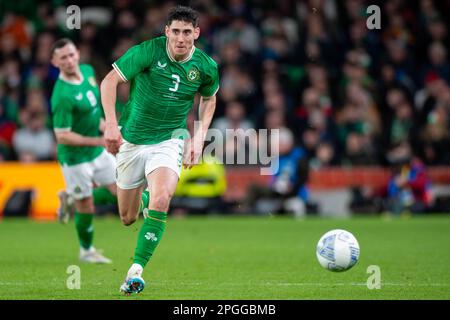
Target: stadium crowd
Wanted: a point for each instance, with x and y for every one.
(350, 96)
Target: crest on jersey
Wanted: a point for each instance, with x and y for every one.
(193, 74)
(92, 81)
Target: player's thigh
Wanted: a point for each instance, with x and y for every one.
(163, 169)
(105, 169)
(167, 154)
(162, 181)
(79, 180)
(130, 166)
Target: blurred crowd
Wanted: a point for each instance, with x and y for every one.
(349, 95)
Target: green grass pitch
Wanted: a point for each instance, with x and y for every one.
(231, 258)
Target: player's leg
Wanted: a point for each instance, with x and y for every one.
(102, 195)
(103, 173)
(162, 170)
(66, 207)
(104, 176)
(162, 182)
(130, 180)
(127, 198)
(79, 186)
(129, 201)
(84, 216)
(162, 185)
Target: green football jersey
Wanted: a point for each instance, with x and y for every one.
(162, 90)
(77, 107)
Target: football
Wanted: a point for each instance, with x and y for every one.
(337, 250)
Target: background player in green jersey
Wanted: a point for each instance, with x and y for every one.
(165, 74)
(77, 121)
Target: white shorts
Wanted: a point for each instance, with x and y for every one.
(80, 178)
(135, 162)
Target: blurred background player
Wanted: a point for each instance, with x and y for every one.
(77, 120)
(165, 73)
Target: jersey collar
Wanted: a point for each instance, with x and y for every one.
(71, 81)
(173, 59)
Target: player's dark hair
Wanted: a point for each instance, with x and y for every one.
(182, 13)
(58, 44)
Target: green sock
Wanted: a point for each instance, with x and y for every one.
(85, 228)
(103, 196)
(150, 234)
(144, 200)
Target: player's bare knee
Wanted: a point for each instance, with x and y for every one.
(127, 220)
(161, 202)
(125, 216)
(85, 205)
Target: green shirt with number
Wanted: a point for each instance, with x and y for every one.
(76, 107)
(162, 90)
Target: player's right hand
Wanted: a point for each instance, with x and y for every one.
(113, 138)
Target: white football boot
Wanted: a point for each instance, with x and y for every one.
(134, 283)
(93, 256)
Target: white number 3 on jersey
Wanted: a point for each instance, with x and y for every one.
(175, 82)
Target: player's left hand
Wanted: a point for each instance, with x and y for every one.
(192, 152)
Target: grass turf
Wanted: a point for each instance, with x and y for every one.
(230, 258)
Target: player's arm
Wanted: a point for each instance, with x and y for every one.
(71, 138)
(206, 110)
(102, 125)
(206, 107)
(108, 93)
(136, 59)
(62, 122)
(68, 137)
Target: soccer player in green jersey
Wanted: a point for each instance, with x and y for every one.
(165, 74)
(77, 121)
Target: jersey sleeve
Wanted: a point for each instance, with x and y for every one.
(210, 84)
(62, 114)
(136, 59)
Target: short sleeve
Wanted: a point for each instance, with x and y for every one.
(210, 84)
(62, 114)
(135, 60)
